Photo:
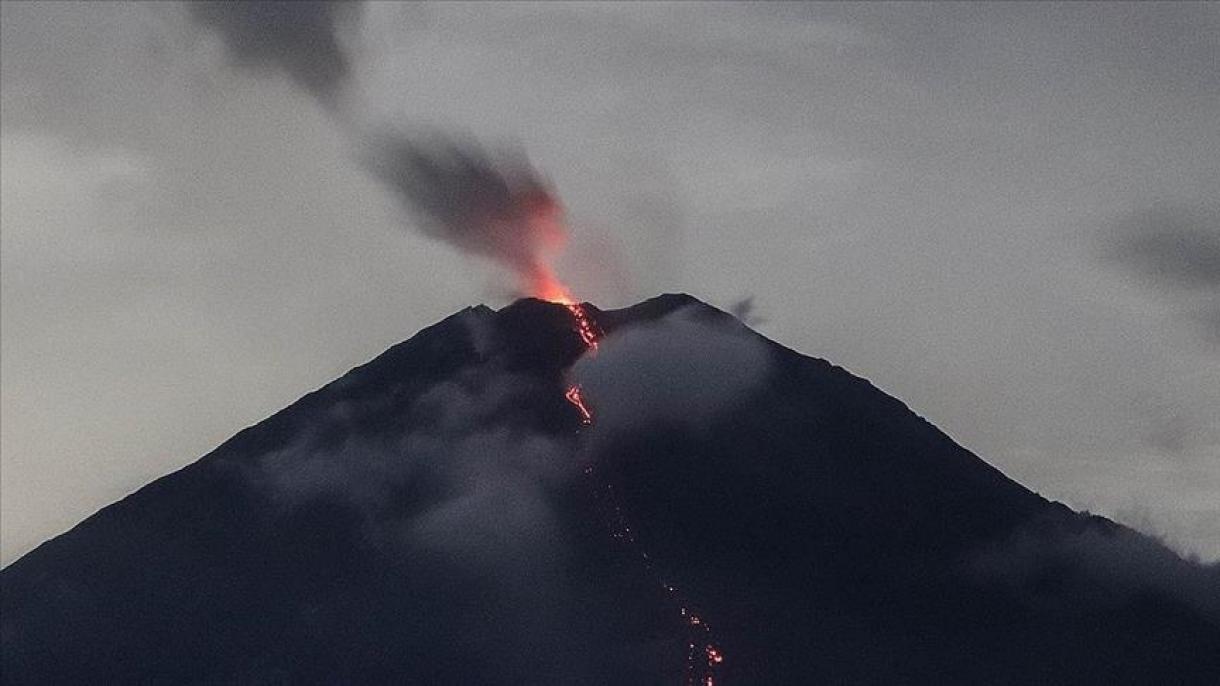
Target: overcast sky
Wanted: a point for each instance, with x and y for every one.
(1004, 215)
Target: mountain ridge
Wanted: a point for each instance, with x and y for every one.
(808, 512)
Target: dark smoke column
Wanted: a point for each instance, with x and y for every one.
(298, 38)
(501, 210)
(498, 209)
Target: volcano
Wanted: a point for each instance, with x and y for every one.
(446, 514)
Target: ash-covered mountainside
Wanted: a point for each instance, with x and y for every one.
(441, 515)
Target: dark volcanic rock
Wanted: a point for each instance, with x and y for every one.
(426, 519)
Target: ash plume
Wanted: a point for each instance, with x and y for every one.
(298, 38)
(492, 205)
(500, 209)
(1176, 250)
(1172, 247)
(747, 312)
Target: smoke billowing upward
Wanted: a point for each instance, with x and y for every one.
(1175, 249)
(299, 38)
(494, 206)
(463, 195)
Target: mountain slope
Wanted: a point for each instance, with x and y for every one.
(427, 518)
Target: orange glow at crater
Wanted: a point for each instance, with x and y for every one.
(548, 233)
(547, 286)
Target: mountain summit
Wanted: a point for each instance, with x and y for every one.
(445, 514)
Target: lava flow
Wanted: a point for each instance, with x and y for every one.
(589, 333)
(573, 396)
(703, 657)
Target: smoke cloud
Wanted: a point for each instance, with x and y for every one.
(1172, 247)
(747, 311)
(301, 39)
(494, 206)
(1176, 250)
(1096, 564)
(461, 453)
(457, 481)
(685, 368)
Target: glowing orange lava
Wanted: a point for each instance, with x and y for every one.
(547, 286)
(701, 665)
(573, 396)
(589, 333)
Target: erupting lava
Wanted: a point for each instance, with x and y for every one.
(703, 657)
(544, 218)
(573, 396)
(548, 287)
(588, 331)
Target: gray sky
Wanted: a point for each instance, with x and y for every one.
(1005, 215)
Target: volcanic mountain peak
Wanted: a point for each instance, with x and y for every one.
(445, 514)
